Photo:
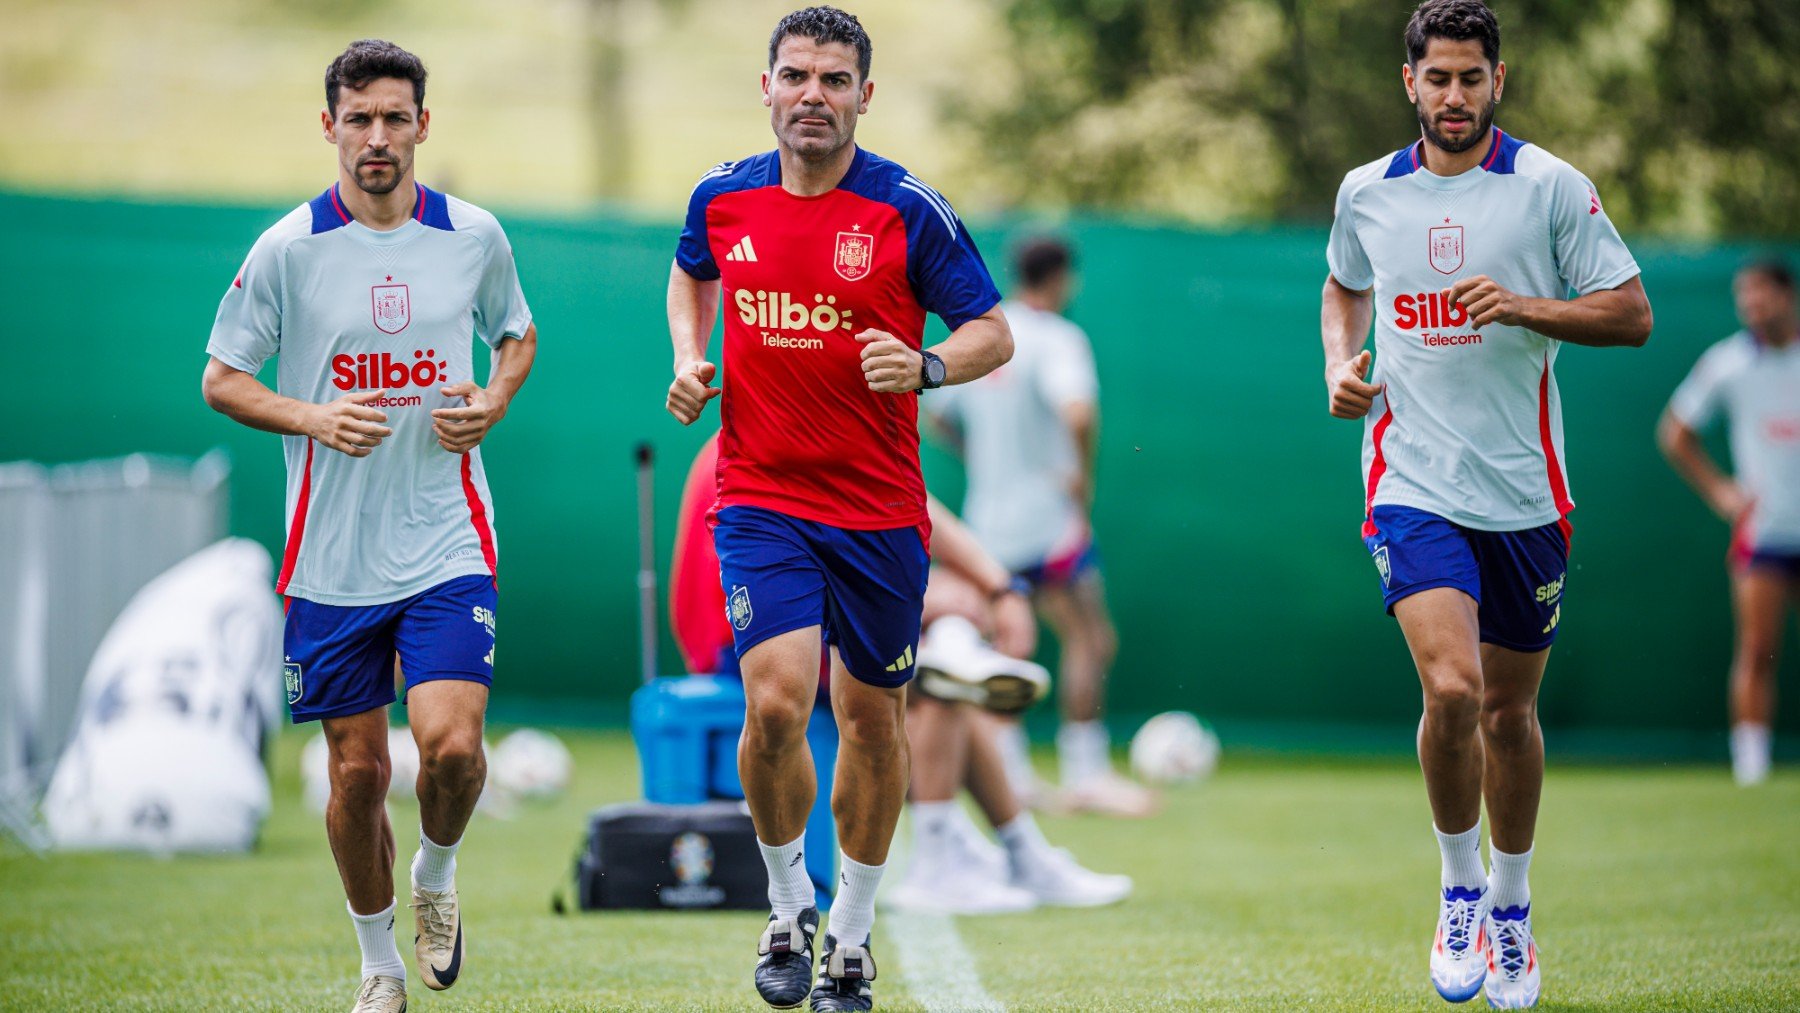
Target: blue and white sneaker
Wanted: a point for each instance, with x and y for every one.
(844, 976)
(1513, 978)
(785, 959)
(1459, 951)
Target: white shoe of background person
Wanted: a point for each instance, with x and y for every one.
(948, 877)
(1110, 794)
(380, 993)
(956, 665)
(1054, 878)
(982, 851)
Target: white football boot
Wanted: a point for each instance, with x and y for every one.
(1459, 950)
(956, 665)
(380, 993)
(1054, 878)
(1513, 978)
(438, 946)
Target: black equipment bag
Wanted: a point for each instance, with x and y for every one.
(643, 855)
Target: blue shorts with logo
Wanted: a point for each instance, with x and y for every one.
(338, 660)
(865, 589)
(1066, 569)
(1515, 577)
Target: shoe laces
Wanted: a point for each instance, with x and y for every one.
(1458, 917)
(435, 910)
(376, 987)
(1512, 942)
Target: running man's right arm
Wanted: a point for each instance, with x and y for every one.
(693, 305)
(1344, 319)
(346, 425)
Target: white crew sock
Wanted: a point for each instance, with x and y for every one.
(790, 889)
(853, 910)
(1015, 756)
(1081, 749)
(931, 830)
(1024, 841)
(1751, 745)
(375, 934)
(1462, 858)
(1510, 881)
(434, 866)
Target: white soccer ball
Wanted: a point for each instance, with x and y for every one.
(1173, 747)
(315, 772)
(403, 764)
(531, 764)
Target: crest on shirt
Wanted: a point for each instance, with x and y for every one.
(393, 308)
(739, 608)
(1447, 248)
(855, 255)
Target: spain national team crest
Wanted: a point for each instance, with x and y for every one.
(1447, 248)
(1383, 567)
(290, 676)
(855, 255)
(739, 608)
(393, 309)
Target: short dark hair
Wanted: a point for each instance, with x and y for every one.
(822, 25)
(1774, 269)
(1041, 259)
(368, 59)
(1456, 20)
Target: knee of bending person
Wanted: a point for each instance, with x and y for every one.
(947, 594)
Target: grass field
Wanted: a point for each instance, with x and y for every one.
(1276, 885)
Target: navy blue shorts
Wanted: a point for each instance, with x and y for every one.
(1066, 569)
(865, 589)
(338, 660)
(1782, 564)
(1515, 577)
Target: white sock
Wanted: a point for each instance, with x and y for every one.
(790, 889)
(1462, 858)
(434, 866)
(375, 934)
(1023, 840)
(1081, 748)
(1015, 755)
(853, 910)
(1510, 880)
(1750, 748)
(932, 828)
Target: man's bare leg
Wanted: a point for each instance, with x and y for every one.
(1759, 601)
(447, 718)
(362, 840)
(872, 774)
(1444, 635)
(781, 681)
(1513, 777)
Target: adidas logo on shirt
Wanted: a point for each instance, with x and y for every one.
(903, 662)
(742, 251)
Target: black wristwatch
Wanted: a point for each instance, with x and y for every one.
(931, 371)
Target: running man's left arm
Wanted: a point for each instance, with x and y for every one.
(972, 351)
(1610, 308)
(503, 323)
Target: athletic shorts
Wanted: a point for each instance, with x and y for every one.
(865, 589)
(338, 660)
(1065, 569)
(1515, 577)
(1783, 564)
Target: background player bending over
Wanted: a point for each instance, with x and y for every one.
(827, 258)
(1463, 247)
(369, 294)
(1753, 379)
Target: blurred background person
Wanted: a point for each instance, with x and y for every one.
(1752, 381)
(1027, 434)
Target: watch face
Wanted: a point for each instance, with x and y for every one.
(934, 368)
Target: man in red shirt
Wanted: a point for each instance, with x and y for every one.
(827, 259)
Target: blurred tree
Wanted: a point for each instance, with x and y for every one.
(1684, 112)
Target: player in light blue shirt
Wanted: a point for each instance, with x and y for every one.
(369, 294)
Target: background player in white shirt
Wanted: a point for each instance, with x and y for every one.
(1753, 379)
(369, 293)
(1464, 249)
(1027, 433)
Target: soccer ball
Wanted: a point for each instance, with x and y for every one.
(1172, 747)
(532, 764)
